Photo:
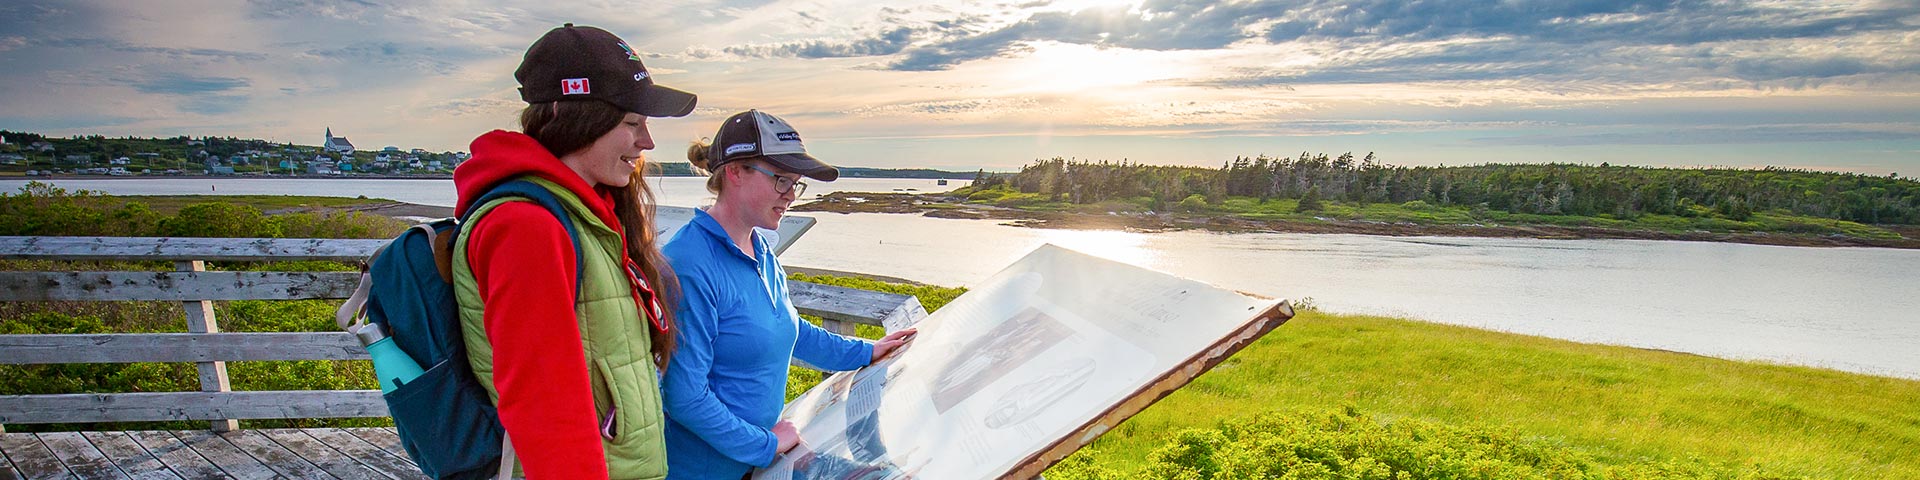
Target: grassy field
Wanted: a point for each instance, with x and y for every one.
(1609, 406)
(1617, 404)
(1422, 213)
(170, 204)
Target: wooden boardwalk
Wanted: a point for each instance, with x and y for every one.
(308, 453)
(225, 450)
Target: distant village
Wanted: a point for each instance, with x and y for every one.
(31, 154)
(23, 153)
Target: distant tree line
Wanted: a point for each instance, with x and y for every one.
(1549, 189)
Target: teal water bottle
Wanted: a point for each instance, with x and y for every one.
(391, 366)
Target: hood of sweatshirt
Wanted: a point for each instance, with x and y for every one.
(501, 155)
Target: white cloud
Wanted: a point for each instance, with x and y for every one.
(436, 73)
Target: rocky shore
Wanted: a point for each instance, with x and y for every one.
(933, 205)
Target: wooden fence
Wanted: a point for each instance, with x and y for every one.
(207, 346)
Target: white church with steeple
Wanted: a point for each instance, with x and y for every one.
(336, 144)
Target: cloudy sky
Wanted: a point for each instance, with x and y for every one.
(1829, 85)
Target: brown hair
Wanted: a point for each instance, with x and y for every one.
(700, 155)
(567, 127)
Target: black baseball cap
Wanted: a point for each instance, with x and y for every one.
(577, 63)
(755, 134)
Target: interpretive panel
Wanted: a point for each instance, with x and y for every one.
(1020, 371)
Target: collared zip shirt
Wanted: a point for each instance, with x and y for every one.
(737, 332)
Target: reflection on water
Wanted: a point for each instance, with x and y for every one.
(1855, 309)
(1128, 247)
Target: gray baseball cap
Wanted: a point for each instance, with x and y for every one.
(756, 134)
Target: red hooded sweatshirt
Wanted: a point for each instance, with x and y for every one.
(524, 264)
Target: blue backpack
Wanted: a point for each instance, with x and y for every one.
(444, 418)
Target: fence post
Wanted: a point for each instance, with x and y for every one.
(213, 375)
(836, 326)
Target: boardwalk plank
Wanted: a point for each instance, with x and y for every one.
(144, 406)
(85, 461)
(276, 457)
(367, 453)
(175, 286)
(129, 456)
(229, 459)
(167, 248)
(320, 454)
(385, 438)
(46, 348)
(32, 458)
(176, 455)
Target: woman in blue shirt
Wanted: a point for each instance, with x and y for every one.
(727, 380)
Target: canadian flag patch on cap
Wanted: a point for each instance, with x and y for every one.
(575, 86)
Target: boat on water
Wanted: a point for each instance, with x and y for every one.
(942, 182)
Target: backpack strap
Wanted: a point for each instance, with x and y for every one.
(521, 188)
(508, 459)
(352, 313)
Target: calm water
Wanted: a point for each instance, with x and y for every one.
(1854, 309)
(681, 191)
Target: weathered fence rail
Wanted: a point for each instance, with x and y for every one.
(209, 348)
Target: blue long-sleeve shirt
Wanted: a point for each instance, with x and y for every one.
(737, 329)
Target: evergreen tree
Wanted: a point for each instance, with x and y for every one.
(1309, 202)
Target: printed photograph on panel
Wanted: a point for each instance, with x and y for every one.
(992, 355)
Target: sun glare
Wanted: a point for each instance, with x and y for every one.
(1077, 5)
(1080, 69)
(1119, 246)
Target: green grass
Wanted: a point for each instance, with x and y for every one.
(1616, 412)
(1619, 405)
(170, 204)
(1421, 213)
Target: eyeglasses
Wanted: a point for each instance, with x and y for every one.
(783, 184)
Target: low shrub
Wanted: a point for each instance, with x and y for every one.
(41, 209)
(1193, 203)
(1346, 444)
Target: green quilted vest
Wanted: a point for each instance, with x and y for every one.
(620, 365)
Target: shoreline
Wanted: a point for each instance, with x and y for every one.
(415, 213)
(933, 206)
(199, 176)
(941, 207)
(384, 176)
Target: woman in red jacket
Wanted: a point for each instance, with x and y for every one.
(561, 358)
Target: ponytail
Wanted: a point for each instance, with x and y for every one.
(700, 154)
